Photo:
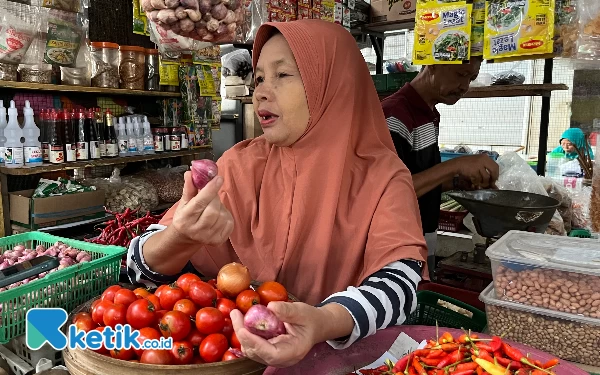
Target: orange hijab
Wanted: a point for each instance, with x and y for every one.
(336, 206)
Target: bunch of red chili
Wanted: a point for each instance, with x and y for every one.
(124, 227)
(466, 355)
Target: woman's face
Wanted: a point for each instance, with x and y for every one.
(279, 98)
(567, 146)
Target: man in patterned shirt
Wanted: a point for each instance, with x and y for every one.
(414, 121)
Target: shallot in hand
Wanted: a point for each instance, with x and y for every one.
(203, 171)
(261, 321)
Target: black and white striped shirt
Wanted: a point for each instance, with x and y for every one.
(384, 299)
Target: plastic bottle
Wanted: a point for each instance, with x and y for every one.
(3, 124)
(131, 139)
(122, 138)
(139, 135)
(148, 137)
(33, 146)
(13, 133)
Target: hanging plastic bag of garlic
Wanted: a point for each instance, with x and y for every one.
(214, 21)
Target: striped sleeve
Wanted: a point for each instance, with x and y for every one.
(384, 299)
(398, 127)
(138, 271)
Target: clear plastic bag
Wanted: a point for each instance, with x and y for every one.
(517, 175)
(20, 25)
(588, 39)
(167, 181)
(237, 63)
(562, 195)
(203, 20)
(126, 192)
(581, 208)
(510, 77)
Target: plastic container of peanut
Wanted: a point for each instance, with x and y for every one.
(556, 273)
(570, 337)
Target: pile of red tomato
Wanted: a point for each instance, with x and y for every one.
(193, 312)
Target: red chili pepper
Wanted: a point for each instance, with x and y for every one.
(472, 366)
(446, 338)
(466, 372)
(485, 347)
(514, 365)
(422, 352)
(538, 372)
(551, 363)
(383, 368)
(538, 363)
(504, 362)
(521, 371)
(418, 367)
(430, 361)
(479, 370)
(402, 364)
(436, 354)
(498, 354)
(483, 354)
(412, 371)
(455, 357)
(511, 352)
(463, 339)
(448, 347)
(496, 344)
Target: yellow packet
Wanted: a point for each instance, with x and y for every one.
(477, 35)
(422, 4)
(443, 35)
(478, 12)
(518, 28)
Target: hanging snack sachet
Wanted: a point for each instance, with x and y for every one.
(518, 28)
(442, 34)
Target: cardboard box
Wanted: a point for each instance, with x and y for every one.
(393, 10)
(35, 213)
(236, 91)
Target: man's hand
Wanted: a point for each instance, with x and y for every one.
(480, 170)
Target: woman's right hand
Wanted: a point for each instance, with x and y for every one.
(200, 216)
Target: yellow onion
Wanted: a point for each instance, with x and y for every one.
(233, 279)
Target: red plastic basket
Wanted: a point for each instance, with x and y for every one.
(451, 221)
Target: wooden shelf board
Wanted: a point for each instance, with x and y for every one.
(25, 171)
(381, 27)
(243, 99)
(505, 91)
(82, 89)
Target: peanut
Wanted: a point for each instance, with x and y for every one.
(557, 290)
(571, 341)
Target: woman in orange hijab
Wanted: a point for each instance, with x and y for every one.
(320, 203)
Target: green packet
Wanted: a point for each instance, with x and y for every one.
(49, 188)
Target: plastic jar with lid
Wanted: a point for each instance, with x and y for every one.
(39, 73)
(105, 64)
(132, 68)
(152, 70)
(555, 159)
(159, 145)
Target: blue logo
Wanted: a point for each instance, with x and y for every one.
(44, 326)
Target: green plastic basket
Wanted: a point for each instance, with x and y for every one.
(67, 288)
(428, 312)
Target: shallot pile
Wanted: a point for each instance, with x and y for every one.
(67, 255)
(205, 20)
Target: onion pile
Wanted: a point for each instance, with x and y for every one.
(67, 255)
(203, 171)
(214, 21)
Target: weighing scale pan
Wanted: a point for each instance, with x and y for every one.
(499, 211)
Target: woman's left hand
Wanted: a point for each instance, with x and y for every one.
(304, 329)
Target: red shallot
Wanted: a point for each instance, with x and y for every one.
(261, 321)
(204, 170)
